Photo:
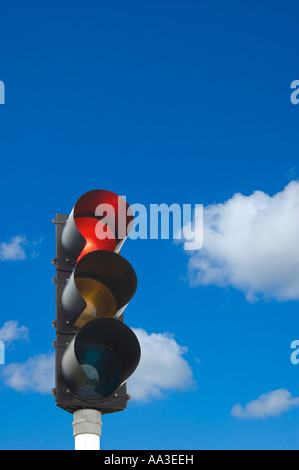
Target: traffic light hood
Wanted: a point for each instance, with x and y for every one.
(101, 285)
(100, 346)
(100, 209)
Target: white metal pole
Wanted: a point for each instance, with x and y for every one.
(87, 427)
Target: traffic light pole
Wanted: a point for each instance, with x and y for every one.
(87, 426)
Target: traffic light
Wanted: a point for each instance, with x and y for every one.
(96, 352)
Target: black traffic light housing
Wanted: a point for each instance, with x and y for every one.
(95, 351)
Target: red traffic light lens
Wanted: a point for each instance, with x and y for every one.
(87, 227)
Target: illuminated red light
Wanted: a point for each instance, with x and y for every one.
(87, 227)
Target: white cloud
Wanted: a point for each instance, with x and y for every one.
(267, 405)
(14, 250)
(11, 331)
(161, 368)
(34, 375)
(251, 243)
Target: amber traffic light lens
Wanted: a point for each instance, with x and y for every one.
(99, 299)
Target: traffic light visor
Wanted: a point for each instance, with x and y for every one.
(100, 220)
(101, 357)
(101, 285)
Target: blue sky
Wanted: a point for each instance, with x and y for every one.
(163, 102)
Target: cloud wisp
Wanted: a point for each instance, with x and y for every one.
(267, 405)
(14, 249)
(11, 332)
(34, 375)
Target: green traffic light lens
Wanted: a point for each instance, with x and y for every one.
(102, 368)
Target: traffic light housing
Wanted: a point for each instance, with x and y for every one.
(96, 352)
